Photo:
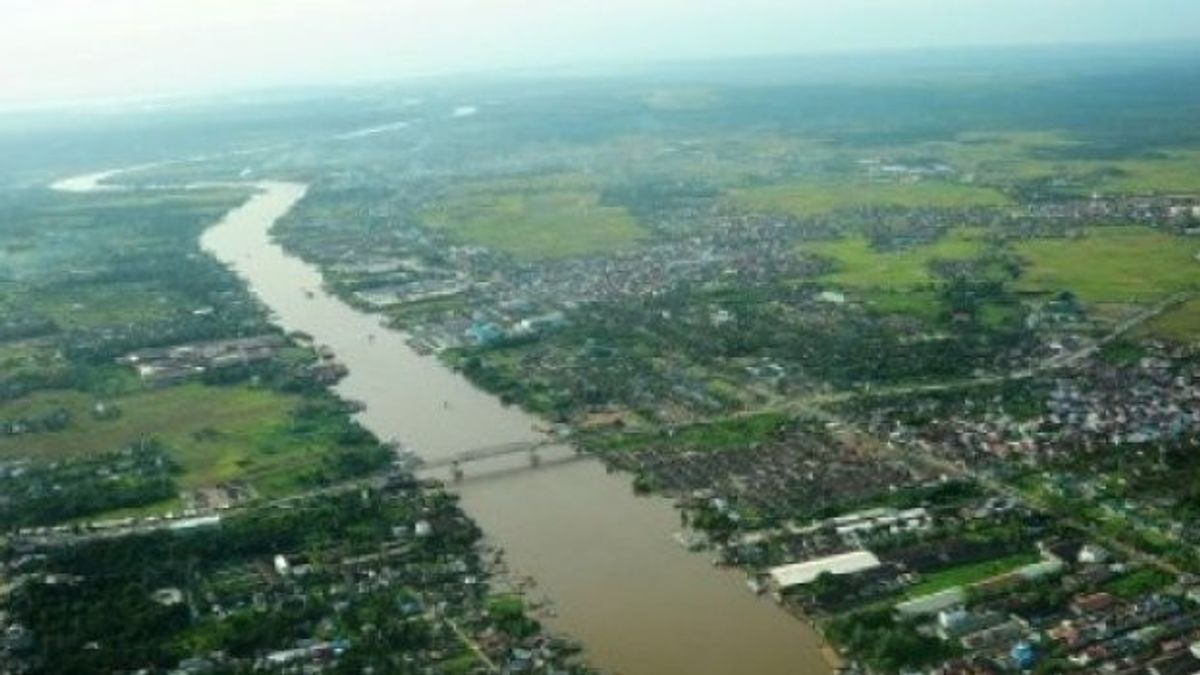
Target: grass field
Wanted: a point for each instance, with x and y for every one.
(23, 357)
(1117, 264)
(1181, 324)
(1179, 171)
(917, 303)
(720, 434)
(813, 198)
(542, 220)
(215, 433)
(1003, 157)
(965, 575)
(858, 264)
(83, 307)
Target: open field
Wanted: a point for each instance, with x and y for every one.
(215, 433)
(1117, 264)
(923, 304)
(812, 198)
(1181, 324)
(27, 357)
(965, 575)
(82, 307)
(1005, 157)
(1178, 171)
(861, 265)
(537, 222)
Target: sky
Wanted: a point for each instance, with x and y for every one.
(67, 50)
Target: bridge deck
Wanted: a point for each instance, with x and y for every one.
(489, 452)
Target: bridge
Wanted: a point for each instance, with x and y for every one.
(456, 461)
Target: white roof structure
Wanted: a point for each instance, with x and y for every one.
(798, 574)
(198, 521)
(931, 604)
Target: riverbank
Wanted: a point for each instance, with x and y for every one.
(636, 600)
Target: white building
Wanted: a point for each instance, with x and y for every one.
(800, 574)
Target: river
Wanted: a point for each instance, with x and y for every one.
(618, 582)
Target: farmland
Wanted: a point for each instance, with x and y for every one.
(861, 265)
(1112, 265)
(814, 198)
(538, 222)
(215, 433)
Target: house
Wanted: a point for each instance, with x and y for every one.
(168, 597)
(999, 635)
(1023, 655)
(484, 334)
(832, 297)
(1091, 554)
(292, 565)
(959, 622)
(1092, 604)
(933, 603)
(535, 324)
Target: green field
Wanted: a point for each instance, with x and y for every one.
(29, 357)
(1117, 264)
(813, 198)
(82, 307)
(860, 265)
(719, 434)
(1005, 157)
(541, 220)
(215, 433)
(1181, 324)
(966, 575)
(1179, 171)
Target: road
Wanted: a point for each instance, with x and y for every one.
(813, 406)
(816, 407)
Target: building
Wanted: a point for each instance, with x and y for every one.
(790, 576)
(933, 603)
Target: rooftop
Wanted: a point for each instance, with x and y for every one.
(798, 574)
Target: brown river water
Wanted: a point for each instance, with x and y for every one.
(605, 558)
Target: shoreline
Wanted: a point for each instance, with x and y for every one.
(598, 554)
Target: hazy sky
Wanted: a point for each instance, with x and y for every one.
(70, 49)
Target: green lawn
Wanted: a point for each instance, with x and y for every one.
(1181, 324)
(860, 265)
(542, 220)
(215, 433)
(1139, 582)
(812, 198)
(966, 575)
(1115, 264)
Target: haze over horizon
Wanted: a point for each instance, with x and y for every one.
(86, 49)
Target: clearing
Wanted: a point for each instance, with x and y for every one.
(860, 265)
(216, 434)
(813, 198)
(542, 220)
(1112, 264)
